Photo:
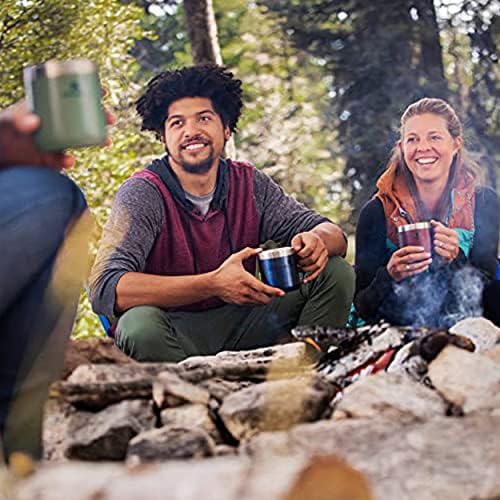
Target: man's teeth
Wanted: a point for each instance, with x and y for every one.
(426, 161)
(198, 145)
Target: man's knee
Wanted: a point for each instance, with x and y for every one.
(141, 333)
(339, 274)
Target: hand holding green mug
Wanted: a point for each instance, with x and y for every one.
(66, 95)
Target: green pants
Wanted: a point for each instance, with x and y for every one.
(148, 333)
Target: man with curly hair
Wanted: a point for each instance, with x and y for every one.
(177, 263)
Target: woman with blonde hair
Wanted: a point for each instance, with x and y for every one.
(429, 178)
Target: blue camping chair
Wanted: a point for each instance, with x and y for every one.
(104, 320)
(106, 325)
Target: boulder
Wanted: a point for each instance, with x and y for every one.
(169, 443)
(105, 435)
(219, 388)
(494, 353)
(223, 478)
(481, 331)
(275, 405)
(444, 458)
(468, 380)
(97, 386)
(190, 416)
(171, 390)
(389, 396)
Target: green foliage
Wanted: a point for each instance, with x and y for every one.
(380, 57)
(281, 130)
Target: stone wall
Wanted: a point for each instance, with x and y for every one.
(275, 424)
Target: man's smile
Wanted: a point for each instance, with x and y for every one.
(195, 145)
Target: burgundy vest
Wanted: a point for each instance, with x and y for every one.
(189, 243)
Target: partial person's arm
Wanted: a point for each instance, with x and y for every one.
(373, 282)
(484, 249)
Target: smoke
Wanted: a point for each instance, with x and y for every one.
(440, 298)
(468, 285)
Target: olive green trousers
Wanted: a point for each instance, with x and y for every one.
(148, 333)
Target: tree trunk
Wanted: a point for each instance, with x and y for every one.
(431, 60)
(202, 31)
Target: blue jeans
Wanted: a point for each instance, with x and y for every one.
(38, 207)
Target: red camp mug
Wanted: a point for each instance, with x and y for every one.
(418, 234)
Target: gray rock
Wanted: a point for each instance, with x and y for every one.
(468, 380)
(494, 353)
(105, 435)
(224, 450)
(220, 478)
(441, 459)
(275, 405)
(389, 396)
(97, 386)
(55, 429)
(171, 390)
(169, 443)
(191, 416)
(220, 388)
(481, 331)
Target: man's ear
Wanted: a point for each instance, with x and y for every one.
(227, 134)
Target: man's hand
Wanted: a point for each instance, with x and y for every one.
(233, 284)
(17, 147)
(408, 261)
(312, 253)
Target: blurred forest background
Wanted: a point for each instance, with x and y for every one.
(325, 81)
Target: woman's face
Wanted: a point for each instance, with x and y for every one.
(428, 148)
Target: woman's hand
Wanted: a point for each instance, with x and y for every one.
(408, 261)
(445, 242)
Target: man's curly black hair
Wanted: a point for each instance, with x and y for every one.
(205, 80)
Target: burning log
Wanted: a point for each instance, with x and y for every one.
(351, 352)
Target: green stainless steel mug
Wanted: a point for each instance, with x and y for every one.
(66, 95)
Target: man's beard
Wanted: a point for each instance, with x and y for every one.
(201, 167)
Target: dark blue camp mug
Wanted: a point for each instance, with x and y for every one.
(279, 268)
